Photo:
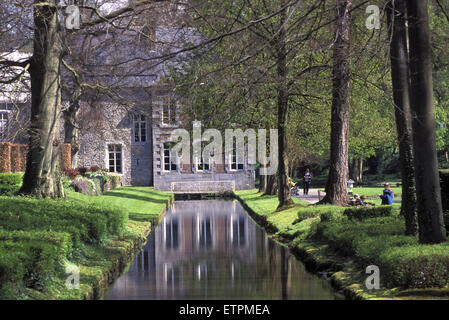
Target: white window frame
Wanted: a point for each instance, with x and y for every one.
(239, 161)
(200, 167)
(173, 160)
(169, 110)
(4, 125)
(139, 121)
(115, 152)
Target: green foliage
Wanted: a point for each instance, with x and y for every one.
(30, 258)
(115, 181)
(11, 179)
(361, 213)
(39, 237)
(342, 234)
(8, 190)
(416, 266)
(444, 183)
(88, 223)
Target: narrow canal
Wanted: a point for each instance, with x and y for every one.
(212, 249)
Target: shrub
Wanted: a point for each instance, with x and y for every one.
(368, 249)
(8, 190)
(30, 258)
(79, 185)
(94, 169)
(342, 233)
(82, 170)
(306, 214)
(85, 222)
(361, 213)
(417, 266)
(11, 179)
(115, 181)
(72, 173)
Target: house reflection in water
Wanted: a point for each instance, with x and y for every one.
(211, 249)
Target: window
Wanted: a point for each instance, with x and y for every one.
(204, 164)
(170, 159)
(168, 110)
(236, 160)
(115, 158)
(3, 125)
(140, 128)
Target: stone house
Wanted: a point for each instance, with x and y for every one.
(129, 137)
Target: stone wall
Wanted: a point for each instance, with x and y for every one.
(111, 123)
(204, 182)
(185, 179)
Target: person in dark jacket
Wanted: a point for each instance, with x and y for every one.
(307, 181)
(387, 196)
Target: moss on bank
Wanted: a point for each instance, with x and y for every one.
(42, 238)
(343, 244)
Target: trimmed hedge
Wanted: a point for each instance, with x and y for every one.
(417, 266)
(402, 261)
(361, 213)
(342, 234)
(8, 190)
(30, 258)
(11, 179)
(88, 223)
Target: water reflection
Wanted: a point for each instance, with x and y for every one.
(211, 249)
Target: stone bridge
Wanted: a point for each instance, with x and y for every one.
(201, 187)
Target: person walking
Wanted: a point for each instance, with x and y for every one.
(307, 181)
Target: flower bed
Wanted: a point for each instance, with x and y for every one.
(91, 181)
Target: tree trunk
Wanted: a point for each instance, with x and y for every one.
(42, 176)
(356, 170)
(400, 77)
(283, 188)
(336, 186)
(430, 212)
(271, 188)
(70, 125)
(263, 183)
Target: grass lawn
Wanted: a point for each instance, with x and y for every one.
(343, 246)
(285, 221)
(41, 238)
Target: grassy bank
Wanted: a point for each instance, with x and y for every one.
(343, 243)
(42, 239)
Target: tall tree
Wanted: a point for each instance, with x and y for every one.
(336, 186)
(401, 95)
(430, 213)
(41, 175)
(282, 109)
